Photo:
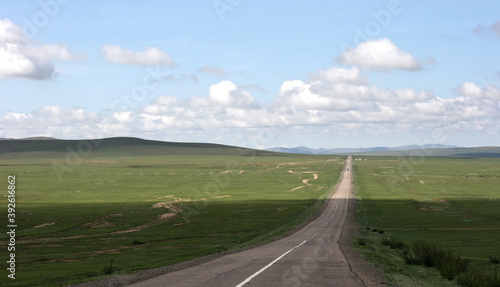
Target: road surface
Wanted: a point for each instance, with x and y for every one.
(309, 257)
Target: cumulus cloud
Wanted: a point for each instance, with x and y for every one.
(471, 90)
(226, 94)
(19, 57)
(334, 102)
(54, 121)
(225, 106)
(493, 28)
(11, 33)
(344, 102)
(149, 57)
(380, 54)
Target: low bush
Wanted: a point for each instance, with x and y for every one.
(109, 269)
(360, 241)
(393, 243)
(429, 255)
(477, 278)
(494, 260)
(409, 258)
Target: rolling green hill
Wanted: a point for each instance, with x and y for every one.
(119, 146)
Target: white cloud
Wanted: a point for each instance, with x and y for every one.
(19, 57)
(226, 94)
(53, 121)
(332, 107)
(149, 57)
(11, 33)
(298, 95)
(380, 54)
(221, 93)
(471, 90)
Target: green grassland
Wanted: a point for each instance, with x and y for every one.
(450, 202)
(150, 206)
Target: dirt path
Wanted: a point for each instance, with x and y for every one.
(103, 222)
(304, 181)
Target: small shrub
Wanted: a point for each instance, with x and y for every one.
(393, 243)
(429, 255)
(138, 242)
(408, 257)
(476, 278)
(494, 260)
(225, 246)
(452, 266)
(381, 231)
(360, 241)
(424, 252)
(109, 269)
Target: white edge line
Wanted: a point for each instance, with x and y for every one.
(269, 265)
(284, 254)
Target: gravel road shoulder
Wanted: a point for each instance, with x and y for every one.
(365, 270)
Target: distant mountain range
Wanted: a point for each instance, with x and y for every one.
(306, 150)
(409, 150)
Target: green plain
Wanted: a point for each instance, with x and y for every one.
(451, 202)
(75, 215)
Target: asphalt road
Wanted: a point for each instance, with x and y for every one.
(309, 257)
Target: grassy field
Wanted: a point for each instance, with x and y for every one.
(450, 202)
(75, 215)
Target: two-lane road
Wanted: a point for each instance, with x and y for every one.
(309, 257)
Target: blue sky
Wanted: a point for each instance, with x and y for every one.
(253, 73)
